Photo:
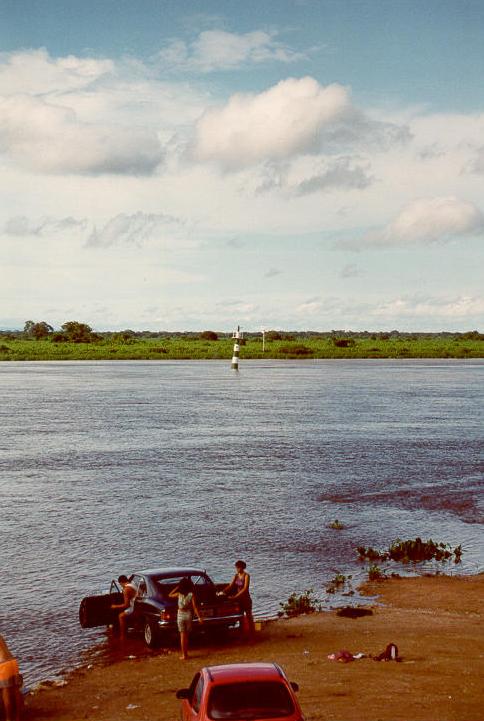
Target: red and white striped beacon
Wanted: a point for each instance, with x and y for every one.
(237, 336)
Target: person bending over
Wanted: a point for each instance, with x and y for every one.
(127, 607)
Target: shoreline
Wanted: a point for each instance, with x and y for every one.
(434, 621)
(223, 359)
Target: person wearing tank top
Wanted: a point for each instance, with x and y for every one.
(241, 583)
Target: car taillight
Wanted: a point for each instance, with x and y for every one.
(168, 614)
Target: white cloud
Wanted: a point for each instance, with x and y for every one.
(425, 221)
(458, 307)
(337, 173)
(294, 117)
(285, 120)
(22, 226)
(318, 174)
(49, 138)
(402, 312)
(436, 220)
(477, 163)
(350, 270)
(133, 229)
(222, 50)
(272, 273)
(34, 71)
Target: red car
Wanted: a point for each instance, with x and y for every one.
(240, 692)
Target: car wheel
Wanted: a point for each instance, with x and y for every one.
(151, 634)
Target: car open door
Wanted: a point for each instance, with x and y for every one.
(97, 611)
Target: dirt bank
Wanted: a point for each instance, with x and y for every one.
(435, 622)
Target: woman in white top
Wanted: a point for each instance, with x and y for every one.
(186, 607)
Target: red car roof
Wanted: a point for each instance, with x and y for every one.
(237, 672)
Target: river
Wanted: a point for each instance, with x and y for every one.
(107, 467)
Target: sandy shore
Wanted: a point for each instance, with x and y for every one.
(435, 622)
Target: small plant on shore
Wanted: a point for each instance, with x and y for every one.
(340, 584)
(336, 525)
(300, 603)
(375, 573)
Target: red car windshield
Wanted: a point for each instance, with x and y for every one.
(250, 700)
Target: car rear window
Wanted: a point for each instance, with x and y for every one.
(250, 700)
(166, 584)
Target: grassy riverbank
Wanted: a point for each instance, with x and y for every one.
(187, 347)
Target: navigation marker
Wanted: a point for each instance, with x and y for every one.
(237, 335)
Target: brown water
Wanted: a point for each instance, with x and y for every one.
(108, 467)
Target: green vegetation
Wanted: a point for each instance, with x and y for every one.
(412, 551)
(336, 525)
(340, 584)
(298, 604)
(77, 341)
(375, 573)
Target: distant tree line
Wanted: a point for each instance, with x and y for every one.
(76, 332)
(71, 332)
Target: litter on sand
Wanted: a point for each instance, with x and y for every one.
(389, 654)
(343, 656)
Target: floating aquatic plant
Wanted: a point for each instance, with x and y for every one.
(412, 551)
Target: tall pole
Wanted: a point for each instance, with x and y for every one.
(235, 357)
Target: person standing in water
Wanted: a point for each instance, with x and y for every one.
(241, 583)
(186, 607)
(127, 607)
(10, 683)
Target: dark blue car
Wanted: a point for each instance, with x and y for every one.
(154, 613)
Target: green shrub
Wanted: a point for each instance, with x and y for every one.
(343, 342)
(375, 573)
(295, 349)
(340, 583)
(300, 603)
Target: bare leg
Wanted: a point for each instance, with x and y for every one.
(8, 698)
(19, 703)
(184, 645)
(122, 626)
(250, 622)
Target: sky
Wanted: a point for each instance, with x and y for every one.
(297, 164)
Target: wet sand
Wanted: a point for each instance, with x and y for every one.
(435, 622)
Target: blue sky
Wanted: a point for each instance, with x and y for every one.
(193, 165)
